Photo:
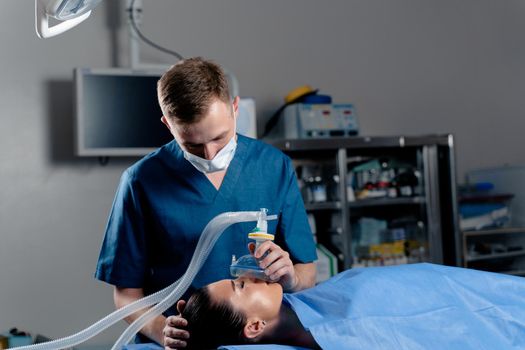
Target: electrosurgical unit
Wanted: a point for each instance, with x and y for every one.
(308, 120)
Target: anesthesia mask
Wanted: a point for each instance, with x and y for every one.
(247, 265)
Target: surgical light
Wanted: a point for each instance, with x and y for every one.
(69, 12)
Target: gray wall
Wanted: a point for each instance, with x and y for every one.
(410, 66)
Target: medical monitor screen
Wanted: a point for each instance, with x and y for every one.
(117, 112)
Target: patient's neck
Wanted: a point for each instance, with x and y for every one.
(288, 330)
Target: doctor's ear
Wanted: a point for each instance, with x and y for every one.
(235, 104)
(164, 121)
(254, 328)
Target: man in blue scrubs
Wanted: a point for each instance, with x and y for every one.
(165, 200)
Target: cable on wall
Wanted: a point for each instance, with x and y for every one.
(143, 37)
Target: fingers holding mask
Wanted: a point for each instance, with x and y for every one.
(279, 268)
(276, 263)
(268, 253)
(264, 249)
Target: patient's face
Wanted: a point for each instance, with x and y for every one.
(252, 297)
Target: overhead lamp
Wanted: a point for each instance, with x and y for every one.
(69, 12)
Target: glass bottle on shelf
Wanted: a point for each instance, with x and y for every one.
(315, 187)
(318, 188)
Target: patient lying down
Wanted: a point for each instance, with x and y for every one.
(244, 310)
(420, 306)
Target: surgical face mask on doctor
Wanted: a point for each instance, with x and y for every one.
(220, 162)
(207, 137)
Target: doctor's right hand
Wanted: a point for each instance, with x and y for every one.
(174, 333)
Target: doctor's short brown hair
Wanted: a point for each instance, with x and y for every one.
(188, 88)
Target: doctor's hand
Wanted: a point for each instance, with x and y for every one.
(174, 334)
(276, 264)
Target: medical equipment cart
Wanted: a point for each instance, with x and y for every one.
(500, 248)
(380, 200)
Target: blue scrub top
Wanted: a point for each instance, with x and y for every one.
(163, 203)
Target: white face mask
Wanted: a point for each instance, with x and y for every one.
(220, 162)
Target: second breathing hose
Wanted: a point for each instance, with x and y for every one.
(162, 299)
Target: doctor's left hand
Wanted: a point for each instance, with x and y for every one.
(276, 264)
(175, 335)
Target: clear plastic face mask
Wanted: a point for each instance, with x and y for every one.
(247, 265)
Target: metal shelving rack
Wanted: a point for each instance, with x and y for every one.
(503, 233)
(437, 158)
(375, 202)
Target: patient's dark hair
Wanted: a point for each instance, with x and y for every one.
(212, 324)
